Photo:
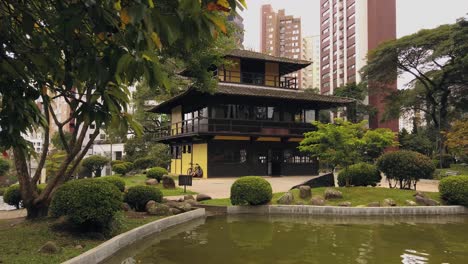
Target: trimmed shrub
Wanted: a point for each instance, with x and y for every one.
(95, 164)
(405, 167)
(3, 190)
(251, 190)
(12, 196)
(115, 180)
(89, 204)
(454, 190)
(114, 162)
(4, 166)
(143, 163)
(360, 174)
(447, 160)
(156, 173)
(138, 196)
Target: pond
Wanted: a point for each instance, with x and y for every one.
(247, 239)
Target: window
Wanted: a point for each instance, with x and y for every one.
(92, 126)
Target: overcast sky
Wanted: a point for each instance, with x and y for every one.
(412, 15)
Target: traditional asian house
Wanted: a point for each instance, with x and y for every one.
(251, 125)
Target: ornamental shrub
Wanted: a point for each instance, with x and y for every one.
(251, 190)
(122, 168)
(89, 204)
(115, 180)
(405, 167)
(447, 160)
(4, 166)
(454, 190)
(138, 196)
(95, 164)
(12, 196)
(156, 173)
(143, 163)
(360, 174)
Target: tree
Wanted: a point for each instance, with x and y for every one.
(457, 138)
(86, 53)
(4, 166)
(57, 141)
(95, 164)
(418, 142)
(359, 93)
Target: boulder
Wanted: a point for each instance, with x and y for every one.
(175, 211)
(410, 203)
(168, 182)
(345, 204)
(188, 197)
(126, 207)
(158, 209)
(149, 204)
(172, 204)
(317, 200)
(425, 201)
(192, 202)
(421, 194)
(184, 207)
(305, 192)
(389, 202)
(287, 198)
(332, 194)
(151, 182)
(203, 197)
(79, 247)
(49, 248)
(373, 204)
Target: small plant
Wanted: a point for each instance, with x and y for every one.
(454, 190)
(360, 174)
(143, 163)
(251, 190)
(138, 196)
(12, 196)
(90, 204)
(95, 164)
(156, 173)
(115, 180)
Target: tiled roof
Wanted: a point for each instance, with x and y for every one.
(260, 56)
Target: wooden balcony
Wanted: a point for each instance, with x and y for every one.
(286, 82)
(232, 127)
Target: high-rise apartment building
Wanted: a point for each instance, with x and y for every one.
(349, 29)
(281, 35)
(238, 21)
(311, 52)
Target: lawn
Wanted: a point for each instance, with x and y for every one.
(356, 195)
(21, 241)
(139, 179)
(462, 170)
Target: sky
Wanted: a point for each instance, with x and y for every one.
(412, 15)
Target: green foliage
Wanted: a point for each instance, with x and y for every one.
(88, 203)
(454, 190)
(115, 180)
(4, 166)
(57, 141)
(156, 173)
(95, 164)
(406, 167)
(12, 196)
(138, 196)
(360, 174)
(2, 190)
(457, 138)
(143, 163)
(418, 142)
(251, 190)
(53, 163)
(359, 93)
(443, 161)
(120, 169)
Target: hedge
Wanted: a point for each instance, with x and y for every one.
(454, 190)
(156, 173)
(138, 196)
(251, 190)
(115, 180)
(360, 174)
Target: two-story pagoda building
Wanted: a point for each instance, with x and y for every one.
(251, 125)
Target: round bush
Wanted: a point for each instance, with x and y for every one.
(156, 173)
(12, 196)
(454, 190)
(406, 167)
(138, 196)
(87, 203)
(251, 190)
(115, 180)
(143, 163)
(120, 168)
(360, 174)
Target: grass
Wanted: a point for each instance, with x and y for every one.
(21, 240)
(462, 170)
(139, 179)
(356, 195)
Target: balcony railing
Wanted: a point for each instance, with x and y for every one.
(254, 78)
(203, 125)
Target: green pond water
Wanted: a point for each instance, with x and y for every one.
(288, 239)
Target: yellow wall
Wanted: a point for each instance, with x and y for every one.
(271, 139)
(271, 72)
(232, 71)
(231, 138)
(175, 166)
(176, 116)
(200, 156)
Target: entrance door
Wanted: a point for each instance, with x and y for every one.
(275, 161)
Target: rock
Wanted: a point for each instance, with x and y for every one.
(332, 194)
(389, 202)
(79, 247)
(425, 201)
(172, 204)
(129, 260)
(317, 200)
(188, 197)
(410, 203)
(345, 204)
(126, 207)
(158, 209)
(373, 204)
(149, 204)
(305, 192)
(287, 198)
(421, 194)
(192, 202)
(203, 197)
(50, 248)
(175, 211)
(151, 182)
(168, 182)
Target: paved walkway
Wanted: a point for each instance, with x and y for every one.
(5, 215)
(423, 185)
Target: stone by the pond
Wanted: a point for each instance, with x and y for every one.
(419, 193)
(149, 204)
(332, 194)
(50, 248)
(203, 197)
(175, 211)
(287, 198)
(425, 201)
(168, 182)
(188, 197)
(158, 209)
(126, 207)
(305, 192)
(410, 203)
(317, 200)
(389, 202)
(373, 204)
(192, 202)
(172, 204)
(345, 204)
(151, 182)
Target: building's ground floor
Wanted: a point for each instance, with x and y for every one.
(224, 156)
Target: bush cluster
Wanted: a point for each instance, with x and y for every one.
(156, 173)
(122, 167)
(138, 196)
(251, 190)
(143, 163)
(454, 190)
(89, 204)
(115, 180)
(360, 174)
(406, 167)
(12, 196)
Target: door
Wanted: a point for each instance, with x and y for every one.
(275, 161)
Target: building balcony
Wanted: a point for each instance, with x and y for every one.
(203, 126)
(260, 79)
